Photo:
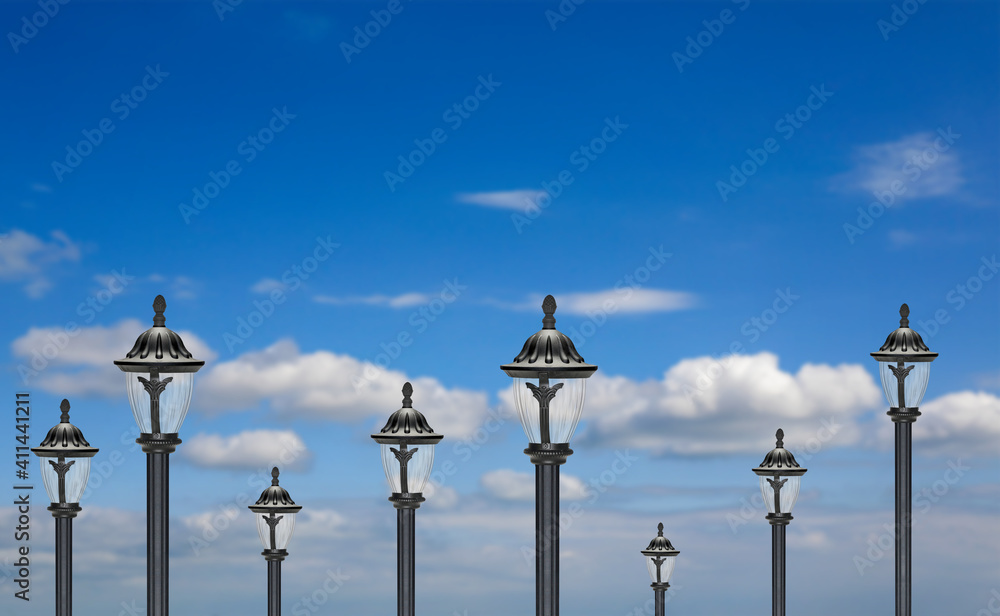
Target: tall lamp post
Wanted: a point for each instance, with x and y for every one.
(660, 558)
(275, 511)
(159, 403)
(904, 363)
(780, 477)
(549, 386)
(65, 458)
(407, 442)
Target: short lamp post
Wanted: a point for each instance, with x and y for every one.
(549, 386)
(780, 477)
(159, 401)
(407, 442)
(904, 363)
(275, 512)
(65, 458)
(660, 558)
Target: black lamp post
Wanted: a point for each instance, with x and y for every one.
(780, 476)
(275, 511)
(65, 458)
(660, 558)
(407, 442)
(159, 404)
(904, 363)
(549, 412)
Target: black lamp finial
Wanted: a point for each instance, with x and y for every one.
(659, 529)
(549, 308)
(159, 305)
(780, 435)
(904, 312)
(407, 392)
(64, 407)
(274, 476)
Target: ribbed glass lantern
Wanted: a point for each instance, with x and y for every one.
(549, 382)
(407, 442)
(660, 558)
(779, 475)
(904, 364)
(65, 460)
(275, 512)
(159, 376)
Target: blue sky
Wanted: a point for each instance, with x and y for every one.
(728, 200)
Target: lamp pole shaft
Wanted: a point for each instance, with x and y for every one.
(904, 499)
(778, 569)
(405, 561)
(658, 594)
(273, 588)
(157, 532)
(64, 566)
(547, 540)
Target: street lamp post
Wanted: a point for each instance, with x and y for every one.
(549, 412)
(275, 511)
(904, 369)
(159, 404)
(65, 458)
(407, 442)
(660, 558)
(780, 477)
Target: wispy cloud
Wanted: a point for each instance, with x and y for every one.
(404, 300)
(622, 300)
(26, 258)
(266, 285)
(521, 200)
(921, 165)
(507, 484)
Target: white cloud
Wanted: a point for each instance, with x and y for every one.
(83, 363)
(266, 285)
(956, 424)
(507, 484)
(248, 450)
(522, 200)
(25, 258)
(320, 385)
(404, 300)
(624, 300)
(924, 163)
(731, 405)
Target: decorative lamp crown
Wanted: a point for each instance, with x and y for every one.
(159, 348)
(549, 351)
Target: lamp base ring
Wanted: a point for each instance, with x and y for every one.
(275, 555)
(903, 414)
(166, 442)
(548, 453)
(406, 500)
(64, 510)
(779, 519)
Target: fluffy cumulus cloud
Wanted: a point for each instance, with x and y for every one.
(79, 360)
(730, 405)
(26, 258)
(327, 385)
(959, 423)
(248, 450)
(507, 484)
